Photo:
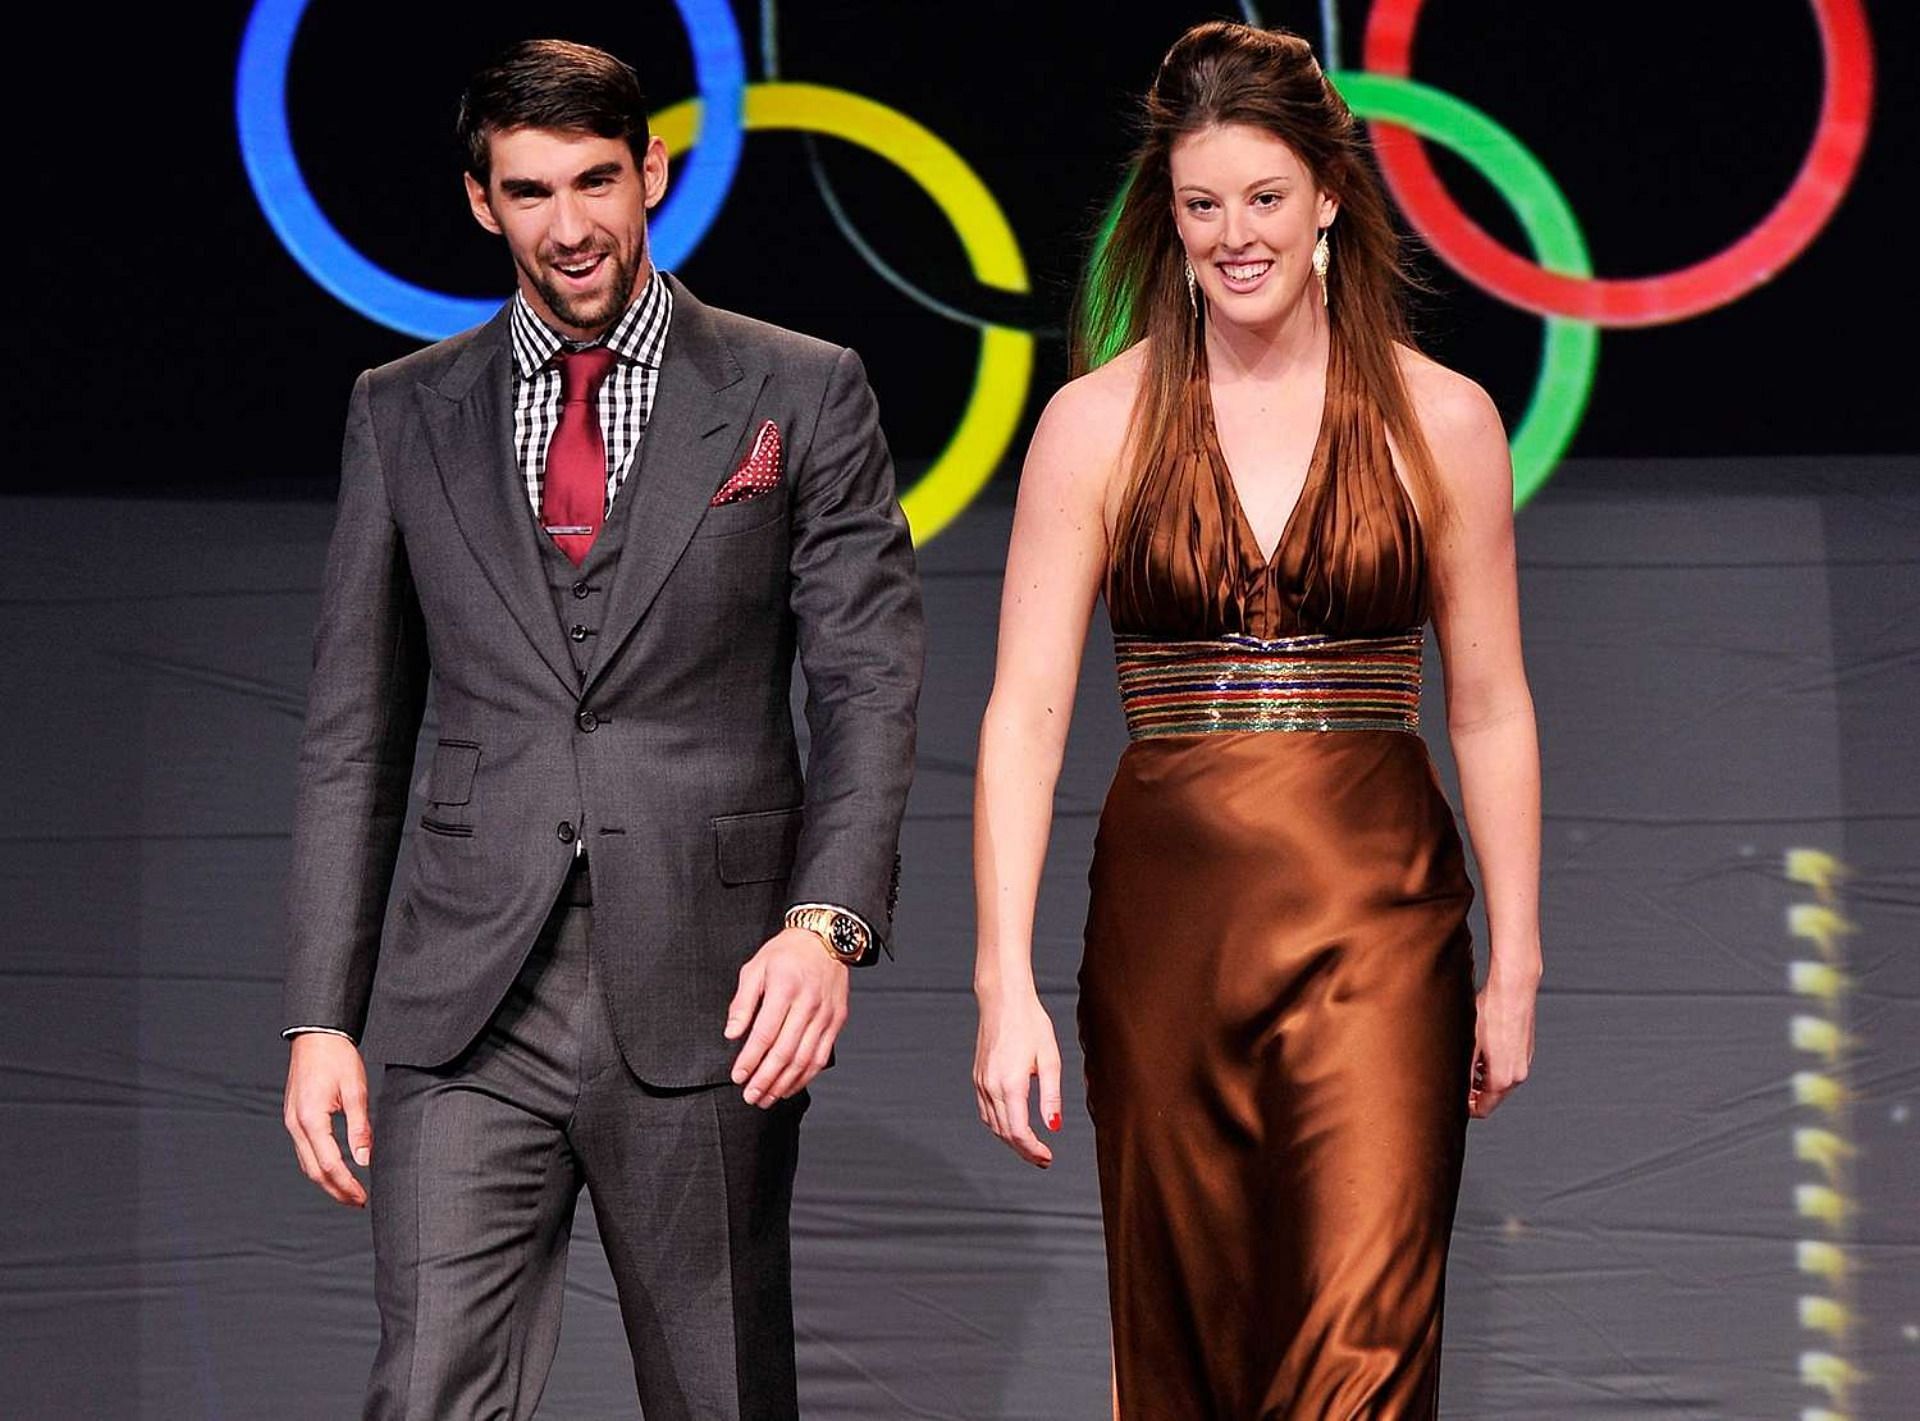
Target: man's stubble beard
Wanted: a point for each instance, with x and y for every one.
(568, 308)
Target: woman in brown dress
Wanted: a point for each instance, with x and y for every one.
(1275, 492)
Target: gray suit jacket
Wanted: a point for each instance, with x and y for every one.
(686, 776)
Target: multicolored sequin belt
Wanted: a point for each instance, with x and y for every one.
(1311, 682)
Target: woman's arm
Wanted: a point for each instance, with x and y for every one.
(1489, 713)
(1055, 563)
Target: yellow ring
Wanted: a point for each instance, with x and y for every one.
(1005, 370)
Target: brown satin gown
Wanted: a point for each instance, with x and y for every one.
(1276, 998)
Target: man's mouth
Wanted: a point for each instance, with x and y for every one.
(580, 270)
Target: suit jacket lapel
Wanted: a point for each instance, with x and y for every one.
(469, 423)
(697, 424)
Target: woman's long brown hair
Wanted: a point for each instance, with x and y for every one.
(1135, 289)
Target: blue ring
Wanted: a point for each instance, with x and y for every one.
(266, 147)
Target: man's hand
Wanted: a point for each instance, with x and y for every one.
(793, 995)
(325, 1074)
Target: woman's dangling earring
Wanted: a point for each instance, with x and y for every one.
(1322, 259)
(1193, 298)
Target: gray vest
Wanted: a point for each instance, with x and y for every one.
(580, 593)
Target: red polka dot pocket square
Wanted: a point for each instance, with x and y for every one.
(758, 473)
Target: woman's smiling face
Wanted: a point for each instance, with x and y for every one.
(1248, 212)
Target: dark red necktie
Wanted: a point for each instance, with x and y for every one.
(573, 492)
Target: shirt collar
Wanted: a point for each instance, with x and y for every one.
(640, 335)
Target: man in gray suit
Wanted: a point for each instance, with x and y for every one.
(607, 520)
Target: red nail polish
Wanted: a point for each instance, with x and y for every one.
(1053, 1121)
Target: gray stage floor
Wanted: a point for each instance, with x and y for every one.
(1725, 658)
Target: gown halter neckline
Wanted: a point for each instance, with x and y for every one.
(1351, 560)
(1262, 562)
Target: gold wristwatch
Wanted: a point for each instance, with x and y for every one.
(845, 935)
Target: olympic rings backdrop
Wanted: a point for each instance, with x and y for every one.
(1555, 281)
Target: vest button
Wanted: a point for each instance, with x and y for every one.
(577, 632)
(564, 833)
(580, 589)
(587, 721)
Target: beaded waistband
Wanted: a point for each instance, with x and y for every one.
(1310, 682)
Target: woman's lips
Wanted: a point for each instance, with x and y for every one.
(1242, 277)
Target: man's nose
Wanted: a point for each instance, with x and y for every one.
(570, 226)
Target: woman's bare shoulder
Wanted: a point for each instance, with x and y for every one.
(1084, 425)
(1461, 423)
(1090, 402)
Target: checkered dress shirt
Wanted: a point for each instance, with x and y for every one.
(625, 401)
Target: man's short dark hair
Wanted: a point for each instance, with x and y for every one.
(551, 83)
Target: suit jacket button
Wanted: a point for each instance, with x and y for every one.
(588, 721)
(564, 833)
(577, 632)
(580, 589)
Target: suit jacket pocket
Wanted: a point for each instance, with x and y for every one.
(757, 847)
(745, 515)
(451, 780)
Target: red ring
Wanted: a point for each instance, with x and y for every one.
(1832, 158)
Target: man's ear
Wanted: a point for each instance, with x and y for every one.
(653, 172)
(477, 202)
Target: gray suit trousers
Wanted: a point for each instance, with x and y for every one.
(477, 1165)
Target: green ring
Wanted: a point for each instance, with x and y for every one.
(1570, 349)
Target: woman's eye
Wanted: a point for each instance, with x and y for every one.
(1268, 199)
(1199, 204)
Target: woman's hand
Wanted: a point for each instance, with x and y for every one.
(1016, 1044)
(1502, 1039)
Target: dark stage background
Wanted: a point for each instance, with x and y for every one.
(1701, 1205)
(1672, 129)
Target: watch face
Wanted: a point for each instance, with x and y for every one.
(848, 940)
